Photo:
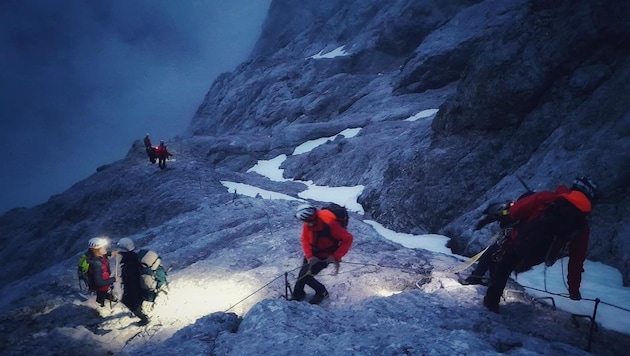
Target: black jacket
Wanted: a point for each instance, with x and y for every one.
(130, 273)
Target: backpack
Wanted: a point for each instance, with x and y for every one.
(546, 238)
(152, 275)
(82, 272)
(569, 223)
(341, 213)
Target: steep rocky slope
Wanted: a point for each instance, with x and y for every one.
(531, 90)
(525, 89)
(535, 90)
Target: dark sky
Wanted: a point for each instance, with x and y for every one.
(81, 80)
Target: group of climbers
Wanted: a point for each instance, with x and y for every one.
(158, 153)
(142, 274)
(538, 227)
(325, 240)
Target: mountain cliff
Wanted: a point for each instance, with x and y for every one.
(458, 102)
(535, 90)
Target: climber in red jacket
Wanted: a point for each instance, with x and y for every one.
(324, 241)
(548, 222)
(162, 155)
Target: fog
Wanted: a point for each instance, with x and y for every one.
(81, 80)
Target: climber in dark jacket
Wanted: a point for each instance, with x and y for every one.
(130, 273)
(147, 141)
(99, 273)
(151, 151)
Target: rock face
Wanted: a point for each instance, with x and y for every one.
(536, 90)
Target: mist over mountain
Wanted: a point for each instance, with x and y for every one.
(83, 79)
(454, 104)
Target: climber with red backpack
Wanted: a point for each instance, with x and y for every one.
(547, 225)
(325, 240)
(162, 154)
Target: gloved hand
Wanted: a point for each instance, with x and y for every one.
(331, 259)
(575, 295)
(483, 222)
(312, 260)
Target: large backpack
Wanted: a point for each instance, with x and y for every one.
(546, 238)
(152, 275)
(341, 213)
(82, 272)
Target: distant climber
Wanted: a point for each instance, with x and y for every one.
(99, 273)
(130, 274)
(324, 241)
(162, 155)
(548, 223)
(151, 151)
(147, 141)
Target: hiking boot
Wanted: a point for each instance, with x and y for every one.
(491, 306)
(317, 298)
(143, 322)
(471, 280)
(298, 296)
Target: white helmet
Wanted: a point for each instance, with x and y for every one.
(126, 243)
(98, 242)
(305, 212)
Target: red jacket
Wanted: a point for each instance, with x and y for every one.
(99, 273)
(325, 238)
(531, 206)
(162, 153)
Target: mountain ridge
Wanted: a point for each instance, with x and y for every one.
(505, 106)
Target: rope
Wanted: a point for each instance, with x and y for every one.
(457, 268)
(564, 295)
(258, 290)
(453, 270)
(307, 274)
(463, 266)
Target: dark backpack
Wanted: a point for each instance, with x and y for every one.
(152, 275)
(546, 238)
(341, 213)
